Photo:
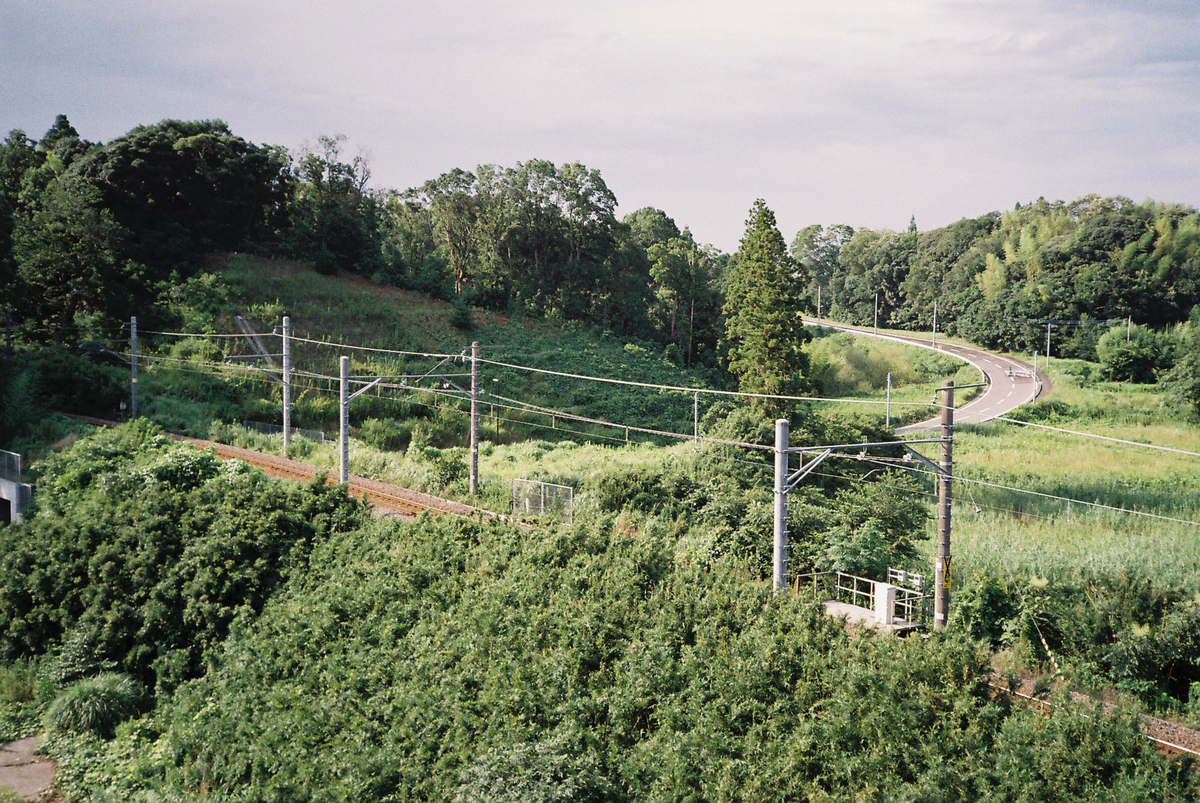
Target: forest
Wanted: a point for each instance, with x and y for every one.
(184, 629)
(91, 233)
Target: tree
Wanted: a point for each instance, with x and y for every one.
(817, 249)
(650, 226)
(683, 285)
(762, 323)
(72, 263)
(332, 213)
(1131, 354)
(1183, 381)
(183, 187)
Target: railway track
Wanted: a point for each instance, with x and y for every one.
(388, 498)
(289, 470)
(1152, 727)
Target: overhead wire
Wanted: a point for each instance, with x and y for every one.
(693, 390)
(1093, 436)
(959, 478)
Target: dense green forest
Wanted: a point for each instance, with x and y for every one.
(189, 630)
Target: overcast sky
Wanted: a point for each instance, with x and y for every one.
(864, 112)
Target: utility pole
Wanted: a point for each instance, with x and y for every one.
(942, 574)
(818, 301)
(696, 416)
(935, 323)
(1047, 342)
(889, 400)
(474, 473)
(779, 561)
(133, 383)
(344, 423)
(287, 382)
(1128, 331)
(876, 312)
(345, 396)
(8, 331)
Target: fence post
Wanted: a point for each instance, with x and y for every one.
(344, 423)
(133, 381)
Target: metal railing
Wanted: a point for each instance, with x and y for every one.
(10, 466)
(913, 605)
(837, 586)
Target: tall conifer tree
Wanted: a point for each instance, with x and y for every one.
(762, 314)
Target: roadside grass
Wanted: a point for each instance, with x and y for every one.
(1039, 536)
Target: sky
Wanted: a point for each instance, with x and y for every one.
(864, 112)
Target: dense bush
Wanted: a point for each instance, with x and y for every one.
(1133, 354)
(446, 660)
(141, 552)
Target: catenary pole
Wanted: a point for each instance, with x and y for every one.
(779, 561)
(344, 423)
(942, 573)
(474, 472)
(876, 325)
(889, 400)
(935, 323)
(133, 379)
(287, 382)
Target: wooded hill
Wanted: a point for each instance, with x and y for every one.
(91, 233)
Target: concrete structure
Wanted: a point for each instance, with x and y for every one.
(14, 494)
(867, 603)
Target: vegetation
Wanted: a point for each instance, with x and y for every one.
(190, 630)
(604, 661)
(767, 341)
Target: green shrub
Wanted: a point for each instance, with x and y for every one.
(1137, 359)
(95, 705)
(387, 435)
(18, 683)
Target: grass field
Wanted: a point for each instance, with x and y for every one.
(1022, 534)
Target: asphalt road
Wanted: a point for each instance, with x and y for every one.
(1010, 383)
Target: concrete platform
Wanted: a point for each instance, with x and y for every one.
(865, 617)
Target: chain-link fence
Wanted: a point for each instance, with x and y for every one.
(276, 429)
(10, 466)
(535, 499)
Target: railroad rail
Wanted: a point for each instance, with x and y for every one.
(1166, 747)
(388, 498)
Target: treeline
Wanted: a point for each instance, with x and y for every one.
(999, 279)
(90, 234)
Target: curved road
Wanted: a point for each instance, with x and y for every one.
(1010, 383)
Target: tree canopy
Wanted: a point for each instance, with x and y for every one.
(762, 323)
